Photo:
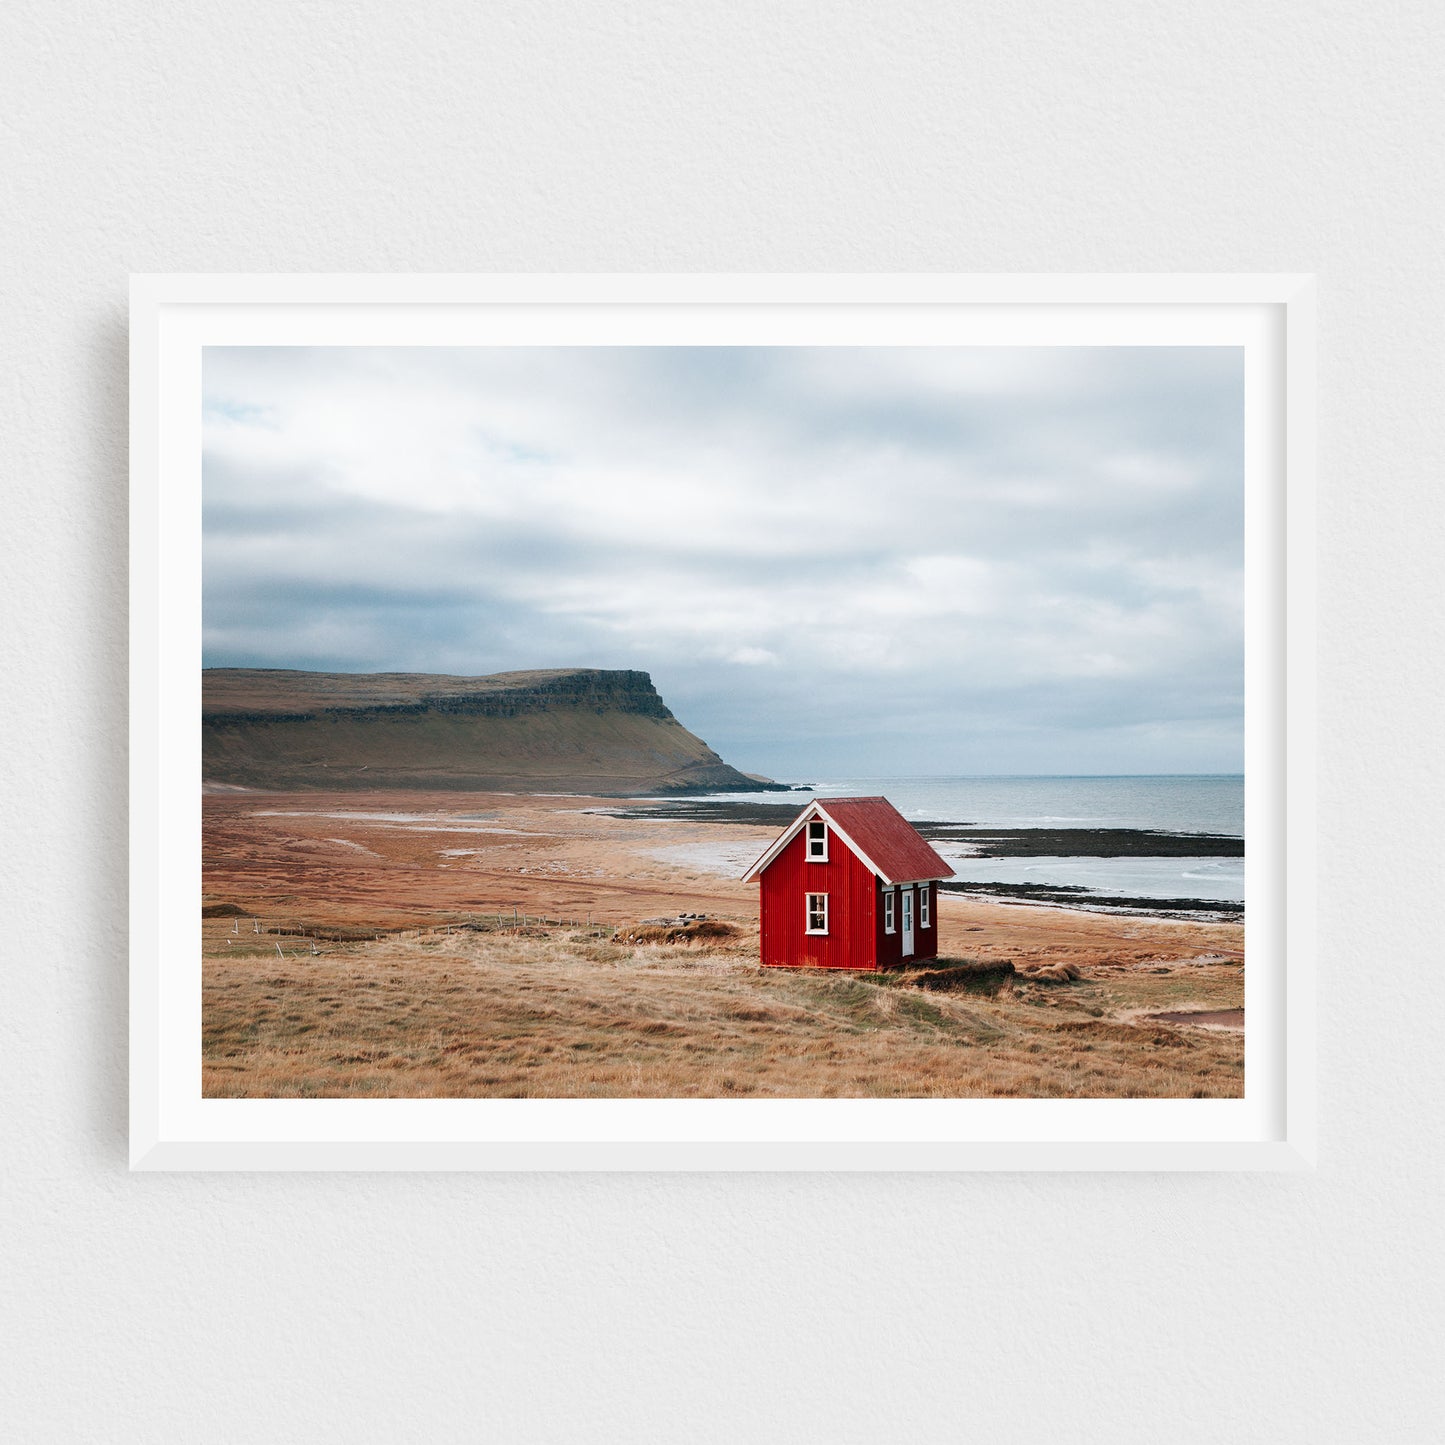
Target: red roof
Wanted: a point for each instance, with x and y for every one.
(877, 832)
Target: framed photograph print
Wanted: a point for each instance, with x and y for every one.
(722, 722)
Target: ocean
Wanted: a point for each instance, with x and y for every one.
(1176, 803)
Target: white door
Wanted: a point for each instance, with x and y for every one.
(908, 923)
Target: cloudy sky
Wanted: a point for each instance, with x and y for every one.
(834, 562)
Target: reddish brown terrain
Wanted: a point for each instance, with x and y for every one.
(407, 943)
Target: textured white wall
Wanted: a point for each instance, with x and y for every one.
(752, 135)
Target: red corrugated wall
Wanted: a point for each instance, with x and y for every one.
(925, 940)
(890, 945)
(852, 909)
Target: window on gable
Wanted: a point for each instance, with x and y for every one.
(817, 913)
(817, 842)
(890, 904)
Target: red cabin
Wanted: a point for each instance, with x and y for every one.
(849, 884)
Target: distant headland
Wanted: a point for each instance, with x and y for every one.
(580, 730)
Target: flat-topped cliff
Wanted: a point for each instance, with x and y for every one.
(584, 730)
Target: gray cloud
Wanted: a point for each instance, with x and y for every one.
(865, 560)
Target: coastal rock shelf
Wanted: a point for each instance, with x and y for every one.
(1067, 896)
(982, 842)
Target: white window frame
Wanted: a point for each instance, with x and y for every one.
(925, 913)
(808, 914)
(808, 841)
(890, 910)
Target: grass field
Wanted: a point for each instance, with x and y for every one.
(556, 1011)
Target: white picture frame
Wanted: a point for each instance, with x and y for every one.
(173, 1127)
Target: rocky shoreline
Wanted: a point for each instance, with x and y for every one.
(1065, 895)
(985, 842)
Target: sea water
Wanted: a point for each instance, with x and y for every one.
(1176, 803)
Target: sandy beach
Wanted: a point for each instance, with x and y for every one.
(424, 944)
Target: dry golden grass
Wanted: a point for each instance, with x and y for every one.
(393, 1004)
(554, 1012)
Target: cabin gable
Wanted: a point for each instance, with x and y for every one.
(846, 883)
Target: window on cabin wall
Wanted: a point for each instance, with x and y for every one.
(817, 842)
(817, 913)
(924, 894)
(890, 914)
